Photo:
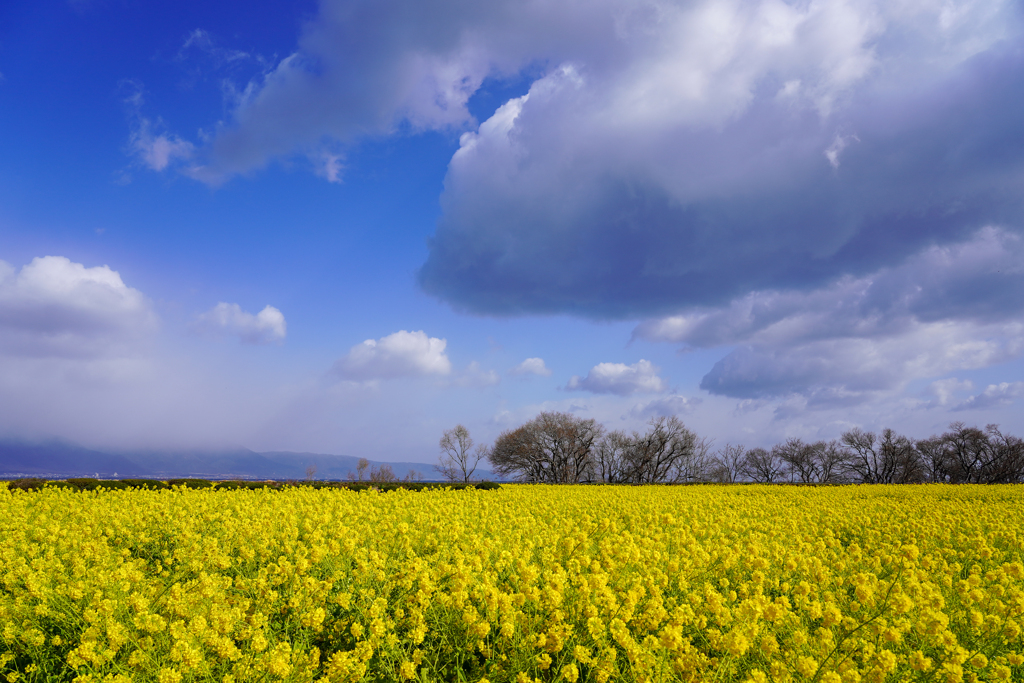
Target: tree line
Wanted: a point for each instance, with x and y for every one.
(561, 448)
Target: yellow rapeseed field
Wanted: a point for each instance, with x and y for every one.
(527, 583)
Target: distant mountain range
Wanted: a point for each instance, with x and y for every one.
(59, 460)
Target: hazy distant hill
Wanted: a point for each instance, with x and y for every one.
(59, 460)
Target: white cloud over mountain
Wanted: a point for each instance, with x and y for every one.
(85, 358)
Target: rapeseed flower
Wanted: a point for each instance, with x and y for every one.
(527, 583)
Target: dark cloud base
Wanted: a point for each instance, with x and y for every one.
(929, 166)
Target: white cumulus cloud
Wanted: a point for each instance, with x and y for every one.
(619, 378)
(266, 327)
(531, 366)
(402, 354)
(55, 307)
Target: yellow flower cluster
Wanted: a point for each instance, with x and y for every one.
(524, 584)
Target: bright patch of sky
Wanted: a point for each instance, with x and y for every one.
(347, 226)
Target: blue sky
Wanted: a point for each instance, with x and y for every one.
(345, 227)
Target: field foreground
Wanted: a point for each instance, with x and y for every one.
(526, 583)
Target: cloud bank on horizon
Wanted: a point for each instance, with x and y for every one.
(941, 310)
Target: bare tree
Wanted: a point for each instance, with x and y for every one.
(1007, 460)
(799, 459)
(695, 464)
(934, 459)
(668, 451)
(458, 460)
(763, 466)
(552, 448)
(832, 462)
(361, 467)
(812, 463)
(515, 453)
(968, 455)
(609, 462)
(383, 474)
(965, 454)
(866, 463)
(889, 459)
(1008, 457)
(727, 466)
(311, 472)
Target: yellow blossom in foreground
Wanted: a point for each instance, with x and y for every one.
(524, 584)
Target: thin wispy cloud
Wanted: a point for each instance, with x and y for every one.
(202, 41)
(149, 143)
(667, 406)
